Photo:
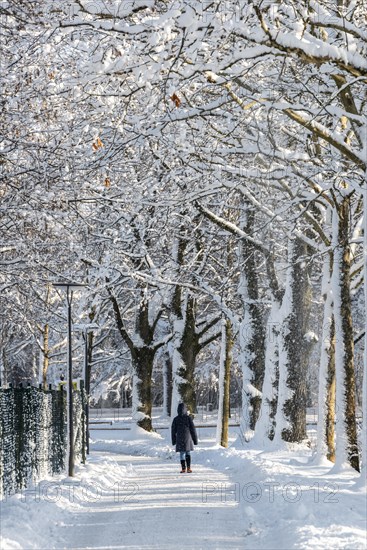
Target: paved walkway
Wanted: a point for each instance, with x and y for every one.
(157, 507)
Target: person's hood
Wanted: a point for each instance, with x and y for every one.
(181, 409)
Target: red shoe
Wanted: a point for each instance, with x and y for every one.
(189, 471)
(183, 471)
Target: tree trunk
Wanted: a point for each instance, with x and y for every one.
(326, 405)
(143, 359)
(46, 355)
(346, 430)
(143, 350)
(224, 383)
(294, 349)
(297, 344)
(177, 380)
(177, 317)
(186, 343)
(363, 478)
(188, 350)
(167, 384)
(330, 395)
(265, 427)
(252, 334)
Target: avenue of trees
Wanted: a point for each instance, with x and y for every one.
(201, 167)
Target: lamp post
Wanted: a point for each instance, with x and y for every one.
(70, 288)
(89, 327)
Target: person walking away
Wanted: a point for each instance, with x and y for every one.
(184, 436)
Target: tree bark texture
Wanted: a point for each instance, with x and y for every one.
(226, 383)
(252, 337)
(46, 355)
(297, 345)
(330, 396)
(346, 430)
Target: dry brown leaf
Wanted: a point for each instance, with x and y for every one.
(176, 100)
(97, 144)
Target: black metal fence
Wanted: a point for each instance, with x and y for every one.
(33, 434)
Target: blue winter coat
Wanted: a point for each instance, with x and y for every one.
(183, 431)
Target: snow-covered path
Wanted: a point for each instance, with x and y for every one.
(157, 507)
(130, 495)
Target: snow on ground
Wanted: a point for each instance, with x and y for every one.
(131, 495)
